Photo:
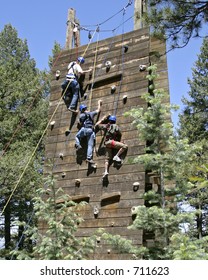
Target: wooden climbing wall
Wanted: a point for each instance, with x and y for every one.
(115, 199)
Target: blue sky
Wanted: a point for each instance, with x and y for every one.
(42, 22)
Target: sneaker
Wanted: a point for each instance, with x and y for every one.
(78, 147)
(91, 161)
(105, 175)
(116, 158)
(73, 110)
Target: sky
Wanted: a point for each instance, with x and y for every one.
(43, 22)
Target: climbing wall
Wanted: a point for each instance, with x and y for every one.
(110, 203)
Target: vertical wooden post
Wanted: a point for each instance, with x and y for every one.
(72, 32)
(139, 9)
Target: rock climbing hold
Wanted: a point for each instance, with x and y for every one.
(58, 74)
(136, 186)
(142, 67)
(125, 48)
(124, 99)
(108, 64)
(61, 155)
(113, 89)
(77, 183)
(96, 210)
(52, 124)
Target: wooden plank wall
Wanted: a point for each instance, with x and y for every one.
(115, 200)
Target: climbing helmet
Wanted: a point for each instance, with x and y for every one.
(82, 107)
(112, 118)
(81, 59)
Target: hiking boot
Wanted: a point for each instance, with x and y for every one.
(73, 110)
(91, 161)
(105, 175)
(78, 147)
(116, 158)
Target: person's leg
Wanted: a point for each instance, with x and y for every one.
(80, 134)
(107, 158)
(90, 142)
(74, 85)
(121, 147)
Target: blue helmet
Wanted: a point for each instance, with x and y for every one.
(81, 59)
(112, 118)
(82, 107)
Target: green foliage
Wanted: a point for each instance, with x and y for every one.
(172, 207)
(194, 117)
(55, 52)
(58, 220)
(185, 248)
(176, 21)
(23, 115)
(122, 245)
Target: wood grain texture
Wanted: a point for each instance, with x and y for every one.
(115, 200)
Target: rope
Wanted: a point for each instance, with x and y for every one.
(89, 42)
(122, 10)
(93, 76)
(21, 123)
(122, 65)
(33, 153)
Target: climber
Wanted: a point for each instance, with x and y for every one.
(86, 125)
(112, 141)
(70, 86)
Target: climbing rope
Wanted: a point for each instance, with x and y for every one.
(21, 123)
(59, 102)
(93, 76)
(34, 151)
(122, 67)
(103, 22)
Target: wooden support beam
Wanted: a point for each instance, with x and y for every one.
(72, 32)
(140, 7)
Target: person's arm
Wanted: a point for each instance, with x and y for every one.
(81, 71)
(99, 106)
(104, 119)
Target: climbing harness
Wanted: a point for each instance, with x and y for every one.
(33, 153)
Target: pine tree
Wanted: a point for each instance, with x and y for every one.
(177, 21)
(172, 161)
(23, 116)
(194, 126)
(194, 117)
(54, 236)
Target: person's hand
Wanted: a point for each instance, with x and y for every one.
(100, 102)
